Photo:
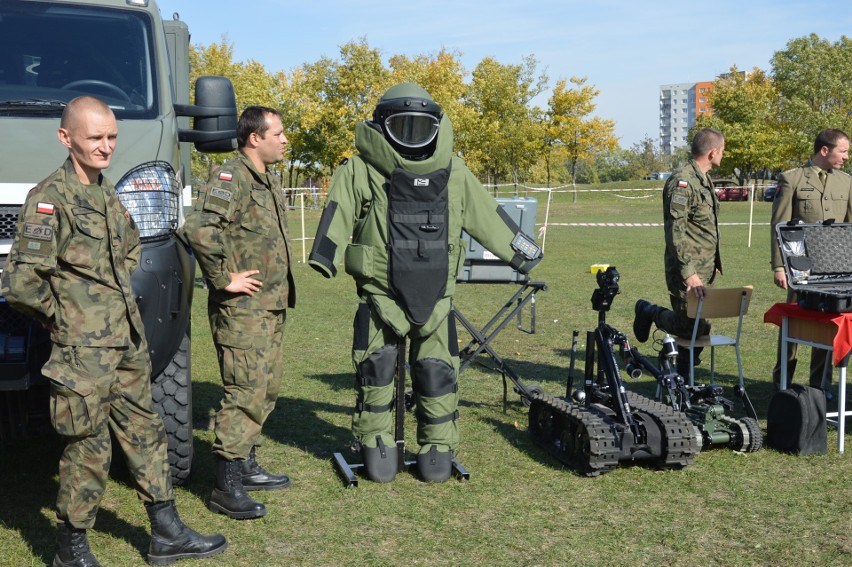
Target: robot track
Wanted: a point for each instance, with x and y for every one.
(591, 441)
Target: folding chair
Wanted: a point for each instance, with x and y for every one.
(718, 303)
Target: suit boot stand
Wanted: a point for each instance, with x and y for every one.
(381, 458)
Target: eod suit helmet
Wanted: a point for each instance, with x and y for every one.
(409, 120)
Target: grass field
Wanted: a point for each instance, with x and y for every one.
(520, 507)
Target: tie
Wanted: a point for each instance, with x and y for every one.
(822, 175)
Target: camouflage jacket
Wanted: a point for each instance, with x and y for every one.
(70, 264)
(802, 196)
(238, 223)
(690, 215)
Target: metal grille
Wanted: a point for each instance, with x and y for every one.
(8, 218)
(154, 212)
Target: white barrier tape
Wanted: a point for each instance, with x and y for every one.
(636, 224)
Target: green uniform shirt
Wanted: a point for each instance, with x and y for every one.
(359, 199)
(71, 261)
(239, 223)
(690, 215)
(801, 196)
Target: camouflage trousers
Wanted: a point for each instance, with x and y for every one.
(250, 347)
(93, 390)
(434, 364)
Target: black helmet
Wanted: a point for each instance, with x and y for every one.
(409, 119)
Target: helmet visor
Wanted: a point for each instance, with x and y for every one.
(412, 129)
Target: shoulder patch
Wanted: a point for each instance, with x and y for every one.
(682, 184)
(222, 194)
(45, 208)
(679, 200)
(226, 176)
(37, 231)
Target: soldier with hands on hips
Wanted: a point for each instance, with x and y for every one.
(238, 231)
(814, 192)
(403, 200)
(69, 268)
(692, 259)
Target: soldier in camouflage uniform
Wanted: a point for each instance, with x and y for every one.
(690, 214)
(238, 231)
(69, 268)
(815, 192)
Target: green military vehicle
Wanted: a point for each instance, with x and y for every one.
(124, 53)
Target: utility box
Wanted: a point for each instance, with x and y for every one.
(480, 265)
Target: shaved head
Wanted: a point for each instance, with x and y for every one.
(89, 130)
(79, 107)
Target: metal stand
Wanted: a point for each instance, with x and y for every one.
(349, 470)
(481, 341)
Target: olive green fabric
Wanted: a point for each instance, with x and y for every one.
(250, 349)
(60, 269)
(373, 335)
(239, 224)
(357, 209)
(690, 216)
(70, 268)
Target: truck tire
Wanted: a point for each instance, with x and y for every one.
(171, 391)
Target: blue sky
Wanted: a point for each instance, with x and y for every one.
(626, 49)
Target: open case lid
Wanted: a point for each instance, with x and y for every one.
(816, 253)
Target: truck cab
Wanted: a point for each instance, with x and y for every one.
(124, 53)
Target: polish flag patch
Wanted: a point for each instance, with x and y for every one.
(226, 176)
(682, 184)
(45, 208)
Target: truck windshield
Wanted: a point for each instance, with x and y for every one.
(52, 52)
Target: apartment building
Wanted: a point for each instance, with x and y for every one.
(680, 105)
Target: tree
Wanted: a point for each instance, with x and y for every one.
(746, 110)
(503, 138)
(572, 128)
(253, 85)
(812, 75)
(645, 157)
(334, 95)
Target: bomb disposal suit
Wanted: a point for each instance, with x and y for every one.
(404, 200)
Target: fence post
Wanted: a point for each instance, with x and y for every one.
(302, 199)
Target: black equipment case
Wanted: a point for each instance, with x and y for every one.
(818, 263)
(796, 421)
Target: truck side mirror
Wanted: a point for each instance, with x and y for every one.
(215, 112)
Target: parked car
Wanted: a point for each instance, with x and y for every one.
(729, 189)
(770, 192)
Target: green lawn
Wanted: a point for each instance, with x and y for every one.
(520, 507)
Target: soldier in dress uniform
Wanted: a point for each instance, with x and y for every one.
(69, 268)
(692, 259)
(814, 192)
(238, 231)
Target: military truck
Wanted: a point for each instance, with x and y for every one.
(124, 53)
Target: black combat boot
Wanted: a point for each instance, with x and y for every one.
(172, 540)
(381, 461)
(435, 465)
(229, 497)
(73, 548)
(645, 313)
(255, 477)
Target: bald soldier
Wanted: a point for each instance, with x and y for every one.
(69, 268)
(814, 192)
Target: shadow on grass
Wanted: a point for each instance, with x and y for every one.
(30, 472)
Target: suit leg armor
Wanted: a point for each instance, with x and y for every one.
(374, 354)
(434, 377)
